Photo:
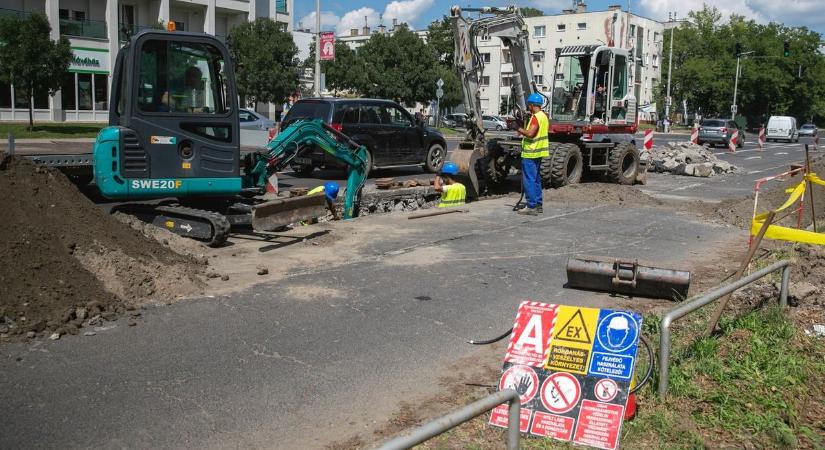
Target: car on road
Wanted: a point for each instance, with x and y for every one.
(494, 123)
(719, 132)
(390, 133)
(456, 119)
(782, 128)
(251, 120)
(808, 130)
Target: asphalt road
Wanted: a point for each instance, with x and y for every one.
(266, 368)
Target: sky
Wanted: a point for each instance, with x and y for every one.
(343, 15)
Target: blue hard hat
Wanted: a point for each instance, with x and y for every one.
(450, 168)
(535, 99)
(331, 190)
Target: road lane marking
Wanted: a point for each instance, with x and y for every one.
(781, 153)
(693, 185)
(753, 157)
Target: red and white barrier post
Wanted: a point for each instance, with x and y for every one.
(734, 139)
(761, 139)
(648, 139)
(694, 135)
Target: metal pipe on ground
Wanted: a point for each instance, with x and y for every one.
(437, 213)
(465, 414)
(696, 303)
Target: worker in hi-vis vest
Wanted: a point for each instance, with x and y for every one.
(330, 190)
(453, 193)
(534, 147)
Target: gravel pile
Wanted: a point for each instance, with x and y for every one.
(687, 158)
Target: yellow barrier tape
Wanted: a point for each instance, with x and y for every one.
(790, 234)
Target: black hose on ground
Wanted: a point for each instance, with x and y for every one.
(493, 340)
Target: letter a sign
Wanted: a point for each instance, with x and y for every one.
(327, 46)
(528, 343)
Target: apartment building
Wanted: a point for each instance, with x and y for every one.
(95, 30)
(576, 27)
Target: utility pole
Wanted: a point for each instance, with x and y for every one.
(739, 54)
(317, 48)
(666, 122)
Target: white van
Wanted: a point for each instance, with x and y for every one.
(782, 127)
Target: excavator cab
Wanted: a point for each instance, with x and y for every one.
(591, 87)
(174, 130)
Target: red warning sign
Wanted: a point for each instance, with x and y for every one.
(522, 379)
(499, 417)
(560, 392)
(606, 389)
(551, 425)
(531, 332)
(599, 424)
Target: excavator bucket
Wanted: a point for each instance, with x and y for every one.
(271, 215)
(466, 160)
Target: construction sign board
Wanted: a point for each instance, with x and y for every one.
(572, 367)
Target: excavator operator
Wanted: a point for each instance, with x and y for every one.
(534, 147)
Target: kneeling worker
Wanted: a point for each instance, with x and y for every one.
(330, 190)
(453, 193)
(534, 147)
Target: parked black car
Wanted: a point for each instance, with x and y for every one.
(389, 132)
(719, 131)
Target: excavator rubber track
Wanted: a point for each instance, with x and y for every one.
(210, 227)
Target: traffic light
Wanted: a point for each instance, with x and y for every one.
(786, 49)
(738, 49)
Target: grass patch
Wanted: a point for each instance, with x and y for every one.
(50, 130)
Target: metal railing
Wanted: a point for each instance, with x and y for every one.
(83, 28)
(692, 305)
(462, 415)
(14, 14)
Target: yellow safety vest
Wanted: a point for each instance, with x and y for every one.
(539, 146)
(455, 195)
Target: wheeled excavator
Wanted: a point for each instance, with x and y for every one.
(172, 153)
(591, 107)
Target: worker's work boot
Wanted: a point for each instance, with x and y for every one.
(528, 212)
(539, 210)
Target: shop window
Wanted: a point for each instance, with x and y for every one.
(67, 91)
(84, 91)
(41, 100)
(5, 95)
(101, 92)
(21, 100)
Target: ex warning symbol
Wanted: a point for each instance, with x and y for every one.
(574, 330)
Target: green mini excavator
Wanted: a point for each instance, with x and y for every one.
(172, 149)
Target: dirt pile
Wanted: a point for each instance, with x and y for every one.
(65, 263)
(600, 193)
(687, 158)
(739, 212)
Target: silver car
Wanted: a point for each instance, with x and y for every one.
(494, 123)
(808, 130)
(251, 120)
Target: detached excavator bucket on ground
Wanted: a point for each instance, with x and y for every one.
(627, 277)
(272, 215)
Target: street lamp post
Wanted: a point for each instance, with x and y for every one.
(317, 48)
(666, 122)
(733, 107)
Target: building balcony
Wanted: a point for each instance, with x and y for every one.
(281, 7)
(125, 29)
(14, 14)
(83, 28)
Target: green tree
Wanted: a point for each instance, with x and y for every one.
(704, 66)
(440, 37)
(399, 66)
(265, 65)
(531, 12)
(29, 59)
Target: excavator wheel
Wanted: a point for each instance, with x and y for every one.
(495, 170)
(623, 164)
(563, 167)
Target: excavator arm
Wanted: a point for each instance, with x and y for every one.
(291, 142)
(508, 25)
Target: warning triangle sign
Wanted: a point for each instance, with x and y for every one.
(574, 330)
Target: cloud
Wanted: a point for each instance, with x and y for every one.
(551, 6)
(810, 13)
(407, 11)
(659, 9)
(355, 19)
(328, 20)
